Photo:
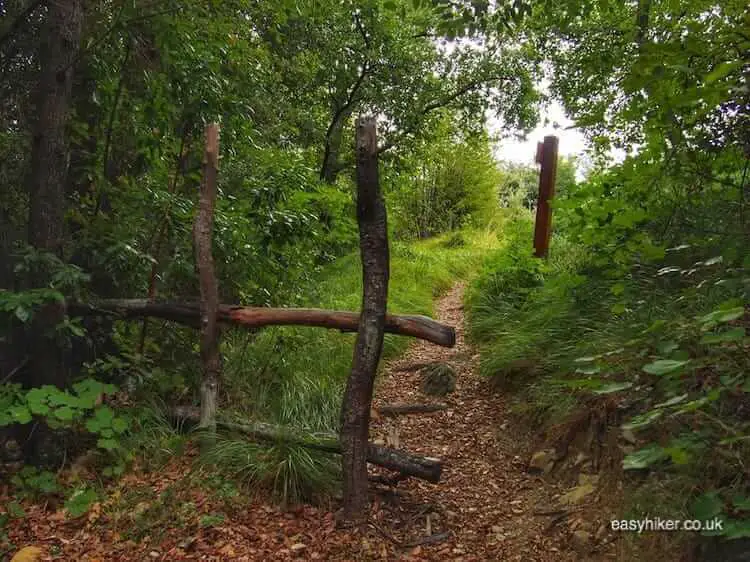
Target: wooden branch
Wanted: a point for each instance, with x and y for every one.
(430, 539)
(422, 113)
(403, 462)
(373, 244)
(256, 317)
(412, 367)
(209, 290)
(543, 225)
(430, 107)
(333, 132)
(393, 410)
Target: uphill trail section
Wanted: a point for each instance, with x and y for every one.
(487, 505)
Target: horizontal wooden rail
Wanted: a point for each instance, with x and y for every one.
(255, 317)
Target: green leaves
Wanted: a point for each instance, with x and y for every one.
(643, 420)
(644, 458)
(65, 408)
(65, 413)
(721, 316)
(80, 501)
(732, 335)
(18, 414)
(664, 366)
(23, 304)
(722, 70)
(707, 505)
(613, 387)
(33, 482)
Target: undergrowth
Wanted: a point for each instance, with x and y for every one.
(667, 341)
(295, 376)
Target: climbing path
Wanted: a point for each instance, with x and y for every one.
(487, 505)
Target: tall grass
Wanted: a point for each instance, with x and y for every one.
(558, 333)
(295, 376)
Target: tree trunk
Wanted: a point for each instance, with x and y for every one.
(331, 162)
(203, 239)
(373, 237)
(60, 41)
(49, 167)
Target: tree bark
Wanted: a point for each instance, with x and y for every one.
(61, 36)
(255, 317)
(330, 169)
(209, 291)
(48, 171)
(373, 237)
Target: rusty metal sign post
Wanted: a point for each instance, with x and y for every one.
(546, 155)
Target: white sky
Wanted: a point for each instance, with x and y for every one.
(553, 121)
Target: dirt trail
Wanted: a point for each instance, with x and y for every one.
(486, 498)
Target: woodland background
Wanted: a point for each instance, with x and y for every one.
(637, 320)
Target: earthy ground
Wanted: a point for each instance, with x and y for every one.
(487, 501)
(488, 506)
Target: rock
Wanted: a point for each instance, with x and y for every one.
(580, 459)
(438, 379)
(628, 436)
(542, 461)
(576, 495)
(581, 541)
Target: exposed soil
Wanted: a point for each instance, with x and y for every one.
(490, 504)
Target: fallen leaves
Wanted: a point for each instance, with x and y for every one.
(28, 554)
(482, 510)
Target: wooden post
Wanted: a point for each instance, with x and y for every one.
(546, 155)
(373, 242)
(209, 292)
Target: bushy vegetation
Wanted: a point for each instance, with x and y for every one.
(667, 344)
(642, 304)
(295, 377)
(101, 136)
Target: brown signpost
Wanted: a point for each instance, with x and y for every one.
(546, 155)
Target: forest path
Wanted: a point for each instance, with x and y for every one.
(482, 509)
(486, 500)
